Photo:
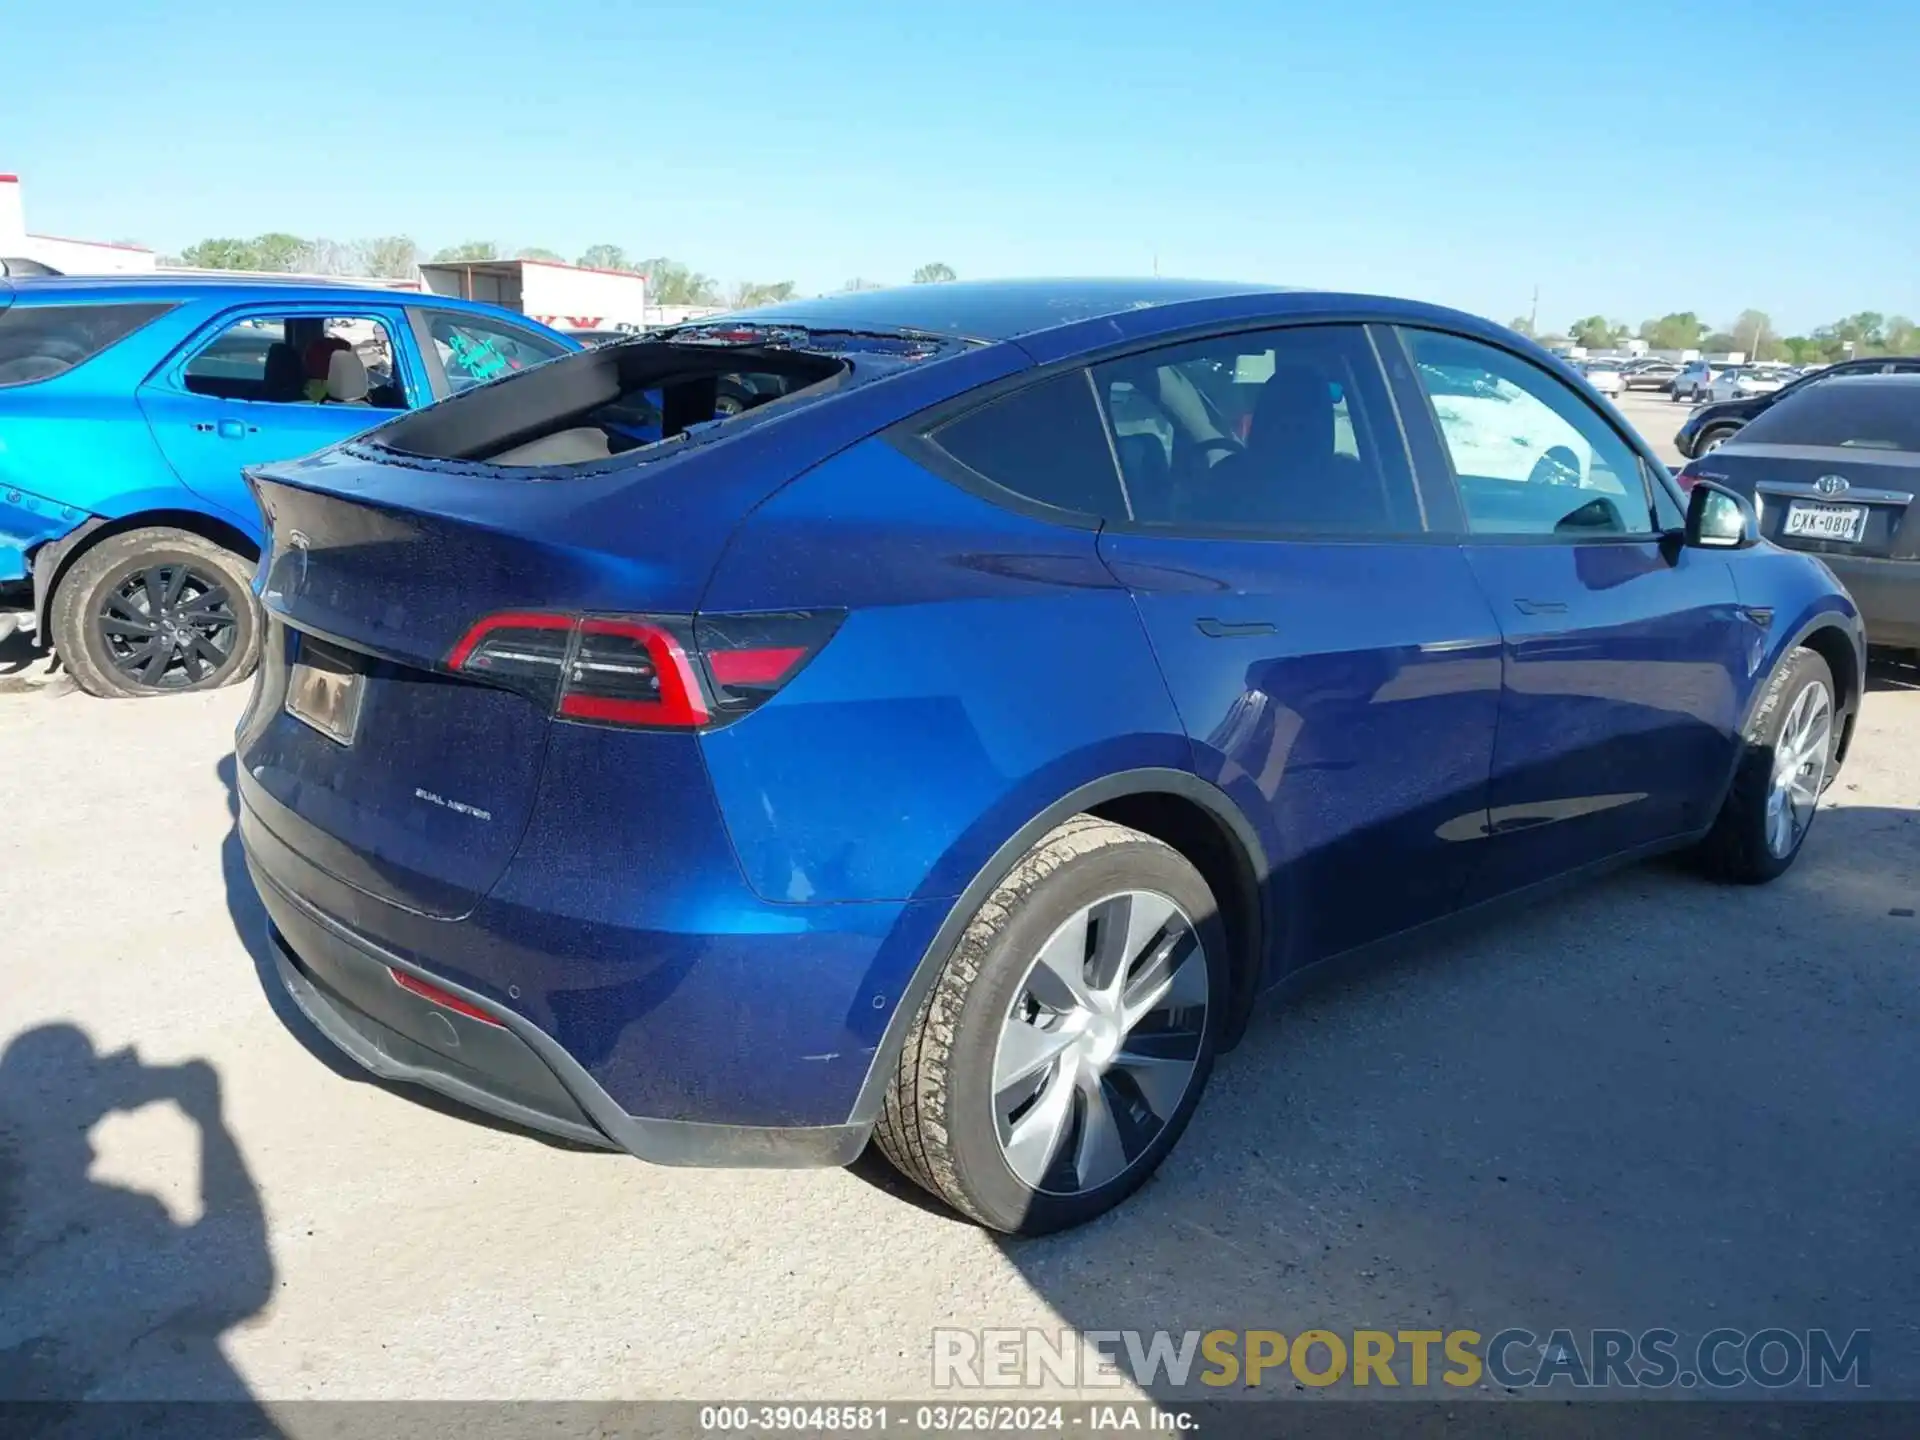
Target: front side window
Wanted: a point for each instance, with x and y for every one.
(38, 342)
(474, 349)
(1276, 431)
(300, 360)
(1530, 456)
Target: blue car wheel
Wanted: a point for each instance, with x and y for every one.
(1065, 1045)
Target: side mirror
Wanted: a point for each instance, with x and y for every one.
(1720, 519)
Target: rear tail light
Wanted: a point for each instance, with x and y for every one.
(632, 672)
(1684, 477)
(643, 671)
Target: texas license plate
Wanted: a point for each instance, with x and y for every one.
(325, 690)
(1826, 522)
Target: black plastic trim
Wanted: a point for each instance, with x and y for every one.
(1856, 639)
(661, 1142)
(48, 561)
(866, 1106)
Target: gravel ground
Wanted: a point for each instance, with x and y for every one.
(1655, 1101)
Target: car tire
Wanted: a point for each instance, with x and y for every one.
(208, 631)
(1714, 439)
(1746, 845)
(1007, 1092)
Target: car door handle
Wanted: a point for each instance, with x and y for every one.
(237, 429)
(1228, 629)
(1540, 607)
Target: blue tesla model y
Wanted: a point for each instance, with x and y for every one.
(946, 748)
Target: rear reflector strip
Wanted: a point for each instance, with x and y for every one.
(754, 667)
(441, 997)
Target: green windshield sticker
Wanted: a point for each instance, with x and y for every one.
(477, 357)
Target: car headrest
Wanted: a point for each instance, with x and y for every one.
(346, 378)
(283, 374)
(1294, 414)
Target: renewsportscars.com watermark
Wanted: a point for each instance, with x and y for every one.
(1517, 1359)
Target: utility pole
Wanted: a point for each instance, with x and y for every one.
(1533, 313)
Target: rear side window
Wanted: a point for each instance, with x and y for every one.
(1274, 432)
(38, 342)
(1043, 443)
(1855, 415)
(291, 360)
(474, 349)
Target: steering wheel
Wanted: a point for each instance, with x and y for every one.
(1559, 466)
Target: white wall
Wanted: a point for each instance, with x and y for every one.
(71, 257)
(81, 257)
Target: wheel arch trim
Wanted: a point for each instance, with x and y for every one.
(53, 560)
(1149, 781)
(1825, 619)
(1851, 685)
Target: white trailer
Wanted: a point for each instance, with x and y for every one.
(566, 297)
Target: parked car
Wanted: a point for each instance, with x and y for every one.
(1605, 377)
(1716, 423)
(1833, 469)
(1651, 374)
(129, 407)
(1742, 382)
(1694, 378)
(949, 750)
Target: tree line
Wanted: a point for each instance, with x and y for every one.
(1751, 332)
(398, 257)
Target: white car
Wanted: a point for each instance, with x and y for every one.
(1744, 381)
(1605, 377)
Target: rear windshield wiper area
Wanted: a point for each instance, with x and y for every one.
(612, 400)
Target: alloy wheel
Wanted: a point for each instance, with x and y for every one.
(1101, 1042)
(168, 626)
(1800, 759)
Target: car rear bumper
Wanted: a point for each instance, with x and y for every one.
(510, 1068)
(1888, 594)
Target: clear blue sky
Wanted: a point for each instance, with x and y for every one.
(1628, 157)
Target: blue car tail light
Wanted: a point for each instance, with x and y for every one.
(654, 672)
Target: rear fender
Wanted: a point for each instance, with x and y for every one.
(1154, 780)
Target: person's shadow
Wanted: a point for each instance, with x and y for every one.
(104, 1296)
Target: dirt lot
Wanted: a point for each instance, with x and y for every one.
(1655, 1102)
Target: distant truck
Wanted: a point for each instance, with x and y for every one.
(568, 298)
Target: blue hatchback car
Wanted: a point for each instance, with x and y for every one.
(949, 748)
(128, 409)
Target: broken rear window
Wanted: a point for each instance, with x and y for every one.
(610, 401)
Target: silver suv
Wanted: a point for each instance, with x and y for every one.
(1694, 378)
